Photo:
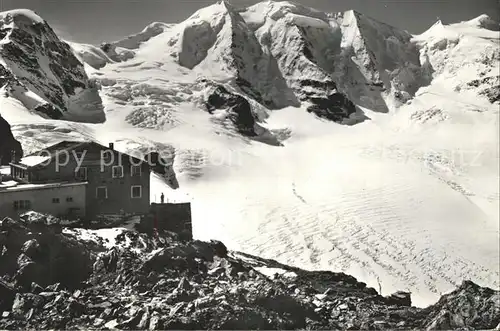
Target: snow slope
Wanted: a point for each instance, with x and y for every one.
(381, 206)
(407, 200)
(117, 51)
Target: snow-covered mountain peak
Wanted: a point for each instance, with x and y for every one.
(41, 71)
(120, 50)
(468, 48)
(380, 64)
(482, 26)
(276, 10)
(437, 25)
(134, 41)
(484, 21)
(21, 17)
(266, 50)
(210, 13)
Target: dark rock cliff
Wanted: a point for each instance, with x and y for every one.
(238, 109)
(10, 148)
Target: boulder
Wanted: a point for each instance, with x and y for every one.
(7, 295)
(470, 305)
(42, 254)
(399, 298)
(23, 302)
(31, 248)
(492, 93)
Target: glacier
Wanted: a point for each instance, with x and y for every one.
(401, 193)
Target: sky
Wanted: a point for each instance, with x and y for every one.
(97, 21)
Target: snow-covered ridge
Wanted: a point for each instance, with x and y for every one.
(258, 14)
(22, 17)
(42, 72)
(467, 52)
(484, 21)
(124, 49)
(90, 55)
(134, 41)
(266, 49)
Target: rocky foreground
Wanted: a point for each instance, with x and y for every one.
(55, 278)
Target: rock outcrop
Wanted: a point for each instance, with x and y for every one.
(488, 87)
(165, 282)
(41, 254)
(10, 149)
(469, 306)
(334, 107)
(237, 109)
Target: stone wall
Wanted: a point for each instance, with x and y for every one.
(174, 217)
